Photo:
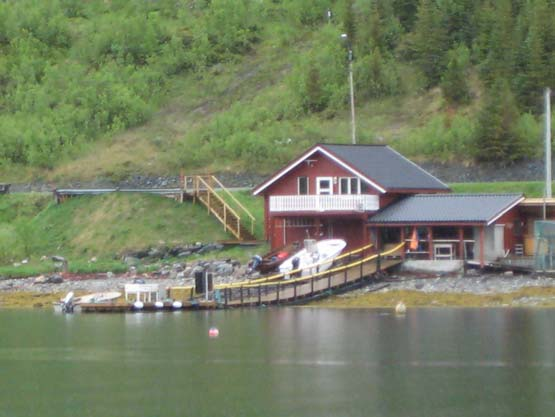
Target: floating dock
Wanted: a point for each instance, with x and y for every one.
(352, 269)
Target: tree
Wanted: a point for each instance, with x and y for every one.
(497, 139)
(430, 41)
(536, 56)
(349, 24)
(454, 82)
(314, 99)
(500, 44)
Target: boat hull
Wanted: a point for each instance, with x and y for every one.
(315, 257)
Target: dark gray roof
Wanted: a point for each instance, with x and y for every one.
(451, 208)
(385, 166)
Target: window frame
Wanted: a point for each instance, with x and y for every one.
(349, 181)
(299, 185)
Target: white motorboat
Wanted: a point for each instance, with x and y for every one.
(97, 297)
(317, 256)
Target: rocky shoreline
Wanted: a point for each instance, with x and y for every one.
(402, 287)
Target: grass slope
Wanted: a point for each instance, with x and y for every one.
(31, 225)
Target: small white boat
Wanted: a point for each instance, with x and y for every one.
(317, 256)
(97, 297)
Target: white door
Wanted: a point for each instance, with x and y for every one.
(499, 240)
(324, 185)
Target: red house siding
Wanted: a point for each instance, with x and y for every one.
(508, 219)
(284, 228)
(317, 166)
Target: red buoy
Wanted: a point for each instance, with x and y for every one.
(213, 332)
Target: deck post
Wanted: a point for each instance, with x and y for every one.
(277, 296)
(249, 294)
(379, 263)
(461, 243)
(482, 257)
(329, 281)
(345, 274)
(430, 244)
(225, 296)
(312, 285)
(259, 294)
(295, 290)
(241, 294)
(403, 252)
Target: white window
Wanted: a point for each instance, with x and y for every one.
(302, 185)
(324, 185)
(349, 185)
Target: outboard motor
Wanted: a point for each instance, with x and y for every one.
(254, 263)
(67, 303)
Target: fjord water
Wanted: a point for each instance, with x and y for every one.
(279, 362)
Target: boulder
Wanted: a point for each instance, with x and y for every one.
(131, 261)
(224, 269)
(41, 279)
(55, 279)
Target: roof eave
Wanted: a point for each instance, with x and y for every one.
(321, 148)
(504, 211)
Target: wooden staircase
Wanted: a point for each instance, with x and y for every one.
(236, 220)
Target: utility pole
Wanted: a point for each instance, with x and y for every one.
(345, 38)
(353, 123)
(548, 142)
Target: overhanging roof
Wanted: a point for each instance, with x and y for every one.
(378, 165)
(448, 208)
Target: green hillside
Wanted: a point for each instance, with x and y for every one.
(110, 88)
(102, 227)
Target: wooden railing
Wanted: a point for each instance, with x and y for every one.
(349, 256)
(315, 285)
(276, 290)
(203, 189)
(349, 202)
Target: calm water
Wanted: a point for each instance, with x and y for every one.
(279, 362)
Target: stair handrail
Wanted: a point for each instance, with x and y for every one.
(221, 200)
(236, 201)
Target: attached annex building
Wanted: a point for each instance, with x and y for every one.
(373, 194)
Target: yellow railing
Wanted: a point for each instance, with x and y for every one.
(330, 271)
(234, 199)
(270, 279)
(229, 218)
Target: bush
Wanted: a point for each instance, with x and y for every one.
(454, 82)
(326, 62)
(376, 76)
(440, 139)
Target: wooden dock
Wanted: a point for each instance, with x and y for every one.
(355, 268)
(148, 307)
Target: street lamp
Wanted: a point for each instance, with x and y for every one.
(345, 37)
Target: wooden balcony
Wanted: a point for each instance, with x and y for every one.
(323, 203)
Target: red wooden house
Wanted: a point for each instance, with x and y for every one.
(332, 191)
(372, 194)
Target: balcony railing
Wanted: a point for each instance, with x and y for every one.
(300, 203)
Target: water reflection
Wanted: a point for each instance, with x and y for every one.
(274, 362)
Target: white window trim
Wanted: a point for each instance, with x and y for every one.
(307, 185)
(349, 185)
(318, 189)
